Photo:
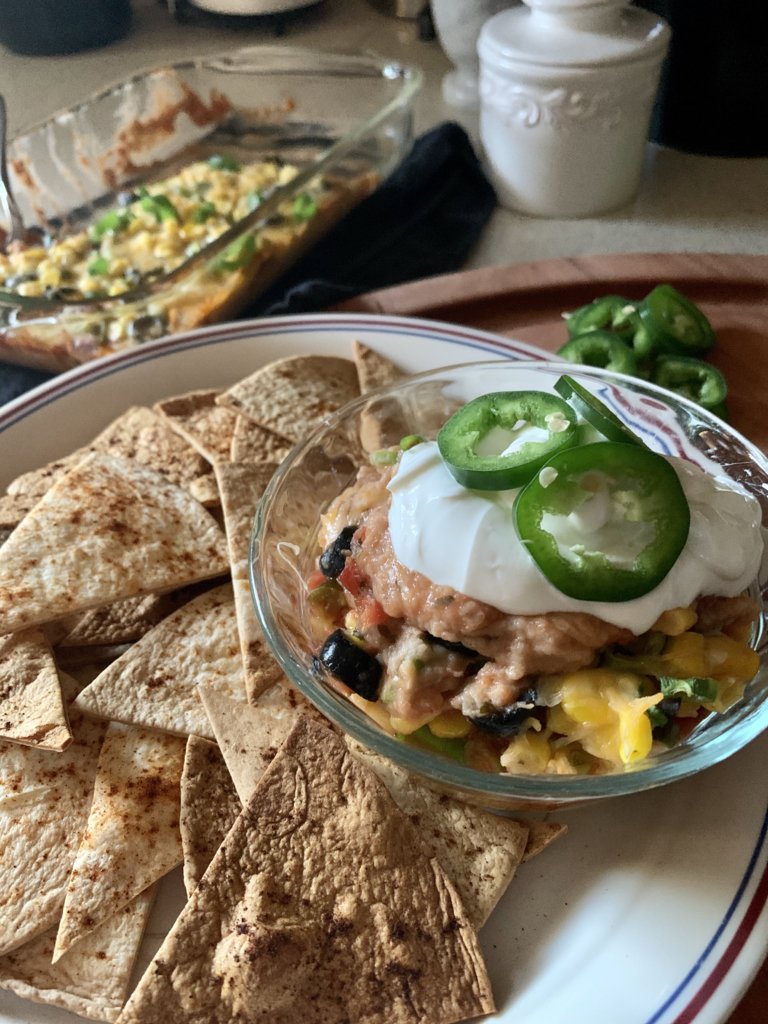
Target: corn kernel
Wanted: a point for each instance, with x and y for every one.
(405, 726)
(450, 725)
(675, 621)
(530, 752)
(30, 288)
(48, 274)
(375, 710)
(684, 656)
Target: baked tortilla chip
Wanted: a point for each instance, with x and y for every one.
(197, 418)
(155, 682)
(92, 979)
(249, 737)
(13, 508)
(373, 369)
(132, 837)
(542, 834)
(241, 486)
(479, 852)
(138, 434)
(209, 807)
(321, 906)
(31, 705)
(123, 622)
(107, 530)
(252, 443)
(44, 802)
(294, 395)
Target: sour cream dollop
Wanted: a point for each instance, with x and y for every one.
(467, 540)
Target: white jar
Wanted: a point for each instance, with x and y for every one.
(566, 92)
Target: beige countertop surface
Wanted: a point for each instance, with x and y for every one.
(686, 203)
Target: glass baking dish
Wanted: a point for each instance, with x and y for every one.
(336, 124)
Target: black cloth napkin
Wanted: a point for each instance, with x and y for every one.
(423, 220)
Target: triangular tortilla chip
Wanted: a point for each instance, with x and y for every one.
(123, 622)
(13, 508)
(542, 834)
(107, 530)
(197, 418)
(31, 705)
(252, 443)
(320, 906)
(209, 807)
(138, 434)
(154, 683)
(294, 395)
(480, 852)
(373, 369)
(132, 836)
(249, 737)
(44, 802)
(241, 486)
(92, 979)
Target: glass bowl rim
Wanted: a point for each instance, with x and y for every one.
(540, 788)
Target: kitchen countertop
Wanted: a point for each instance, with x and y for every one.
(686, 203)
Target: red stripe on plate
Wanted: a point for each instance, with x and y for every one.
(742, 933)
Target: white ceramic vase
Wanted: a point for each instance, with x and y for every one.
(457, 24)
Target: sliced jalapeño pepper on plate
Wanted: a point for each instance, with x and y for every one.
(609, 313)
(604, 521)
(673, 323)
(498, 441)
(600, 348)
(699, 381)
(595, 412)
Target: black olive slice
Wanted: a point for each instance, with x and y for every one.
(334, 558)
(351, 665)
(507, 721)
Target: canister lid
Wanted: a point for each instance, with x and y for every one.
(572, 33)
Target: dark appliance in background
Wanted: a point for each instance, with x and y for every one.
(713, 97)
(47, 27)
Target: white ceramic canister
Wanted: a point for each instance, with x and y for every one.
(566, 92)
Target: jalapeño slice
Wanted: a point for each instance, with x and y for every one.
(604, 521)
(609, 313)
(602, 349)
(699, 381)
(498, 441)
(595, 412)
(674, 324)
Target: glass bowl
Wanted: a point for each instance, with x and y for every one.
(342, 120)
(284, 551)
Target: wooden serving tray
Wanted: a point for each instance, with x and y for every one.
(526, 301)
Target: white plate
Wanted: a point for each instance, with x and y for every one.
(653, 909)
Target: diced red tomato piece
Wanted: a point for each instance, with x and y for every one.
(351, 578)
(369, 612)
(315, 579)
